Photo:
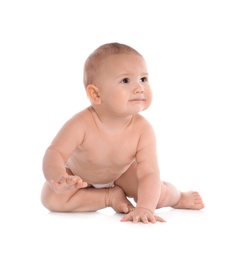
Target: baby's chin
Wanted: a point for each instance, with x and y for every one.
(144, 108)
(141, 107)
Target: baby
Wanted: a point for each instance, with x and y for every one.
(107, 153)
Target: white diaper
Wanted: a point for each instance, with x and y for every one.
(100, 186)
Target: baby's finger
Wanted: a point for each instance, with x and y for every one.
(135, 219)
(74, 179)
(62, 184)
(62, 180)
(151, 218)
(70, 181)
(127, 217)
(145, 219)
(56, 186)
(80, 184)
(75, 182)
(159, 219)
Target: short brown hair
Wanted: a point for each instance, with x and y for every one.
(102, 52)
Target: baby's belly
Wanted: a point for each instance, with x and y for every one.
(96, 173)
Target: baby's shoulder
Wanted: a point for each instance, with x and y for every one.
(81, 115)
(80, 118)
(142, 126)
(141, 121)
(144, 130)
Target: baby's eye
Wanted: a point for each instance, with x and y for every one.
(144, 79)
(126, 80)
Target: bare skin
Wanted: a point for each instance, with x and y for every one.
(110, 142)
(189, 200)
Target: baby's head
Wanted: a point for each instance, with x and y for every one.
(116, 80)
(95, 58)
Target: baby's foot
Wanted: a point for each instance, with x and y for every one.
(117, 200)
(189, 200)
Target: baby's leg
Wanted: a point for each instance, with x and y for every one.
(118, 201)
(85, 199)
(171, 197)
(128, 181)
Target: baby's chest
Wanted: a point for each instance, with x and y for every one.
(113, 151)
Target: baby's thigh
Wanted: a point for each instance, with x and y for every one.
(128, 181)
(54, 201)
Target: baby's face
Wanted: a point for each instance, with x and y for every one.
(123, 83)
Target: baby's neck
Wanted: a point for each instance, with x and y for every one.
(111, 122)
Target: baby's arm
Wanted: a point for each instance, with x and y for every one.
(57, 154)
(149, 183)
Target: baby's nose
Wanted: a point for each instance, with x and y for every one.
(138, 89)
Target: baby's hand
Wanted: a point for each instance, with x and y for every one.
(142, 215)
(67, 183)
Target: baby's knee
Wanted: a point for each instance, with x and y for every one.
(163, 194)
(48, 199)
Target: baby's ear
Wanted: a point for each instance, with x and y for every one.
(93, 94)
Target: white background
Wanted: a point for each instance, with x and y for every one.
(187, 45)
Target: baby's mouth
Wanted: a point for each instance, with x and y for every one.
(138, 99)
